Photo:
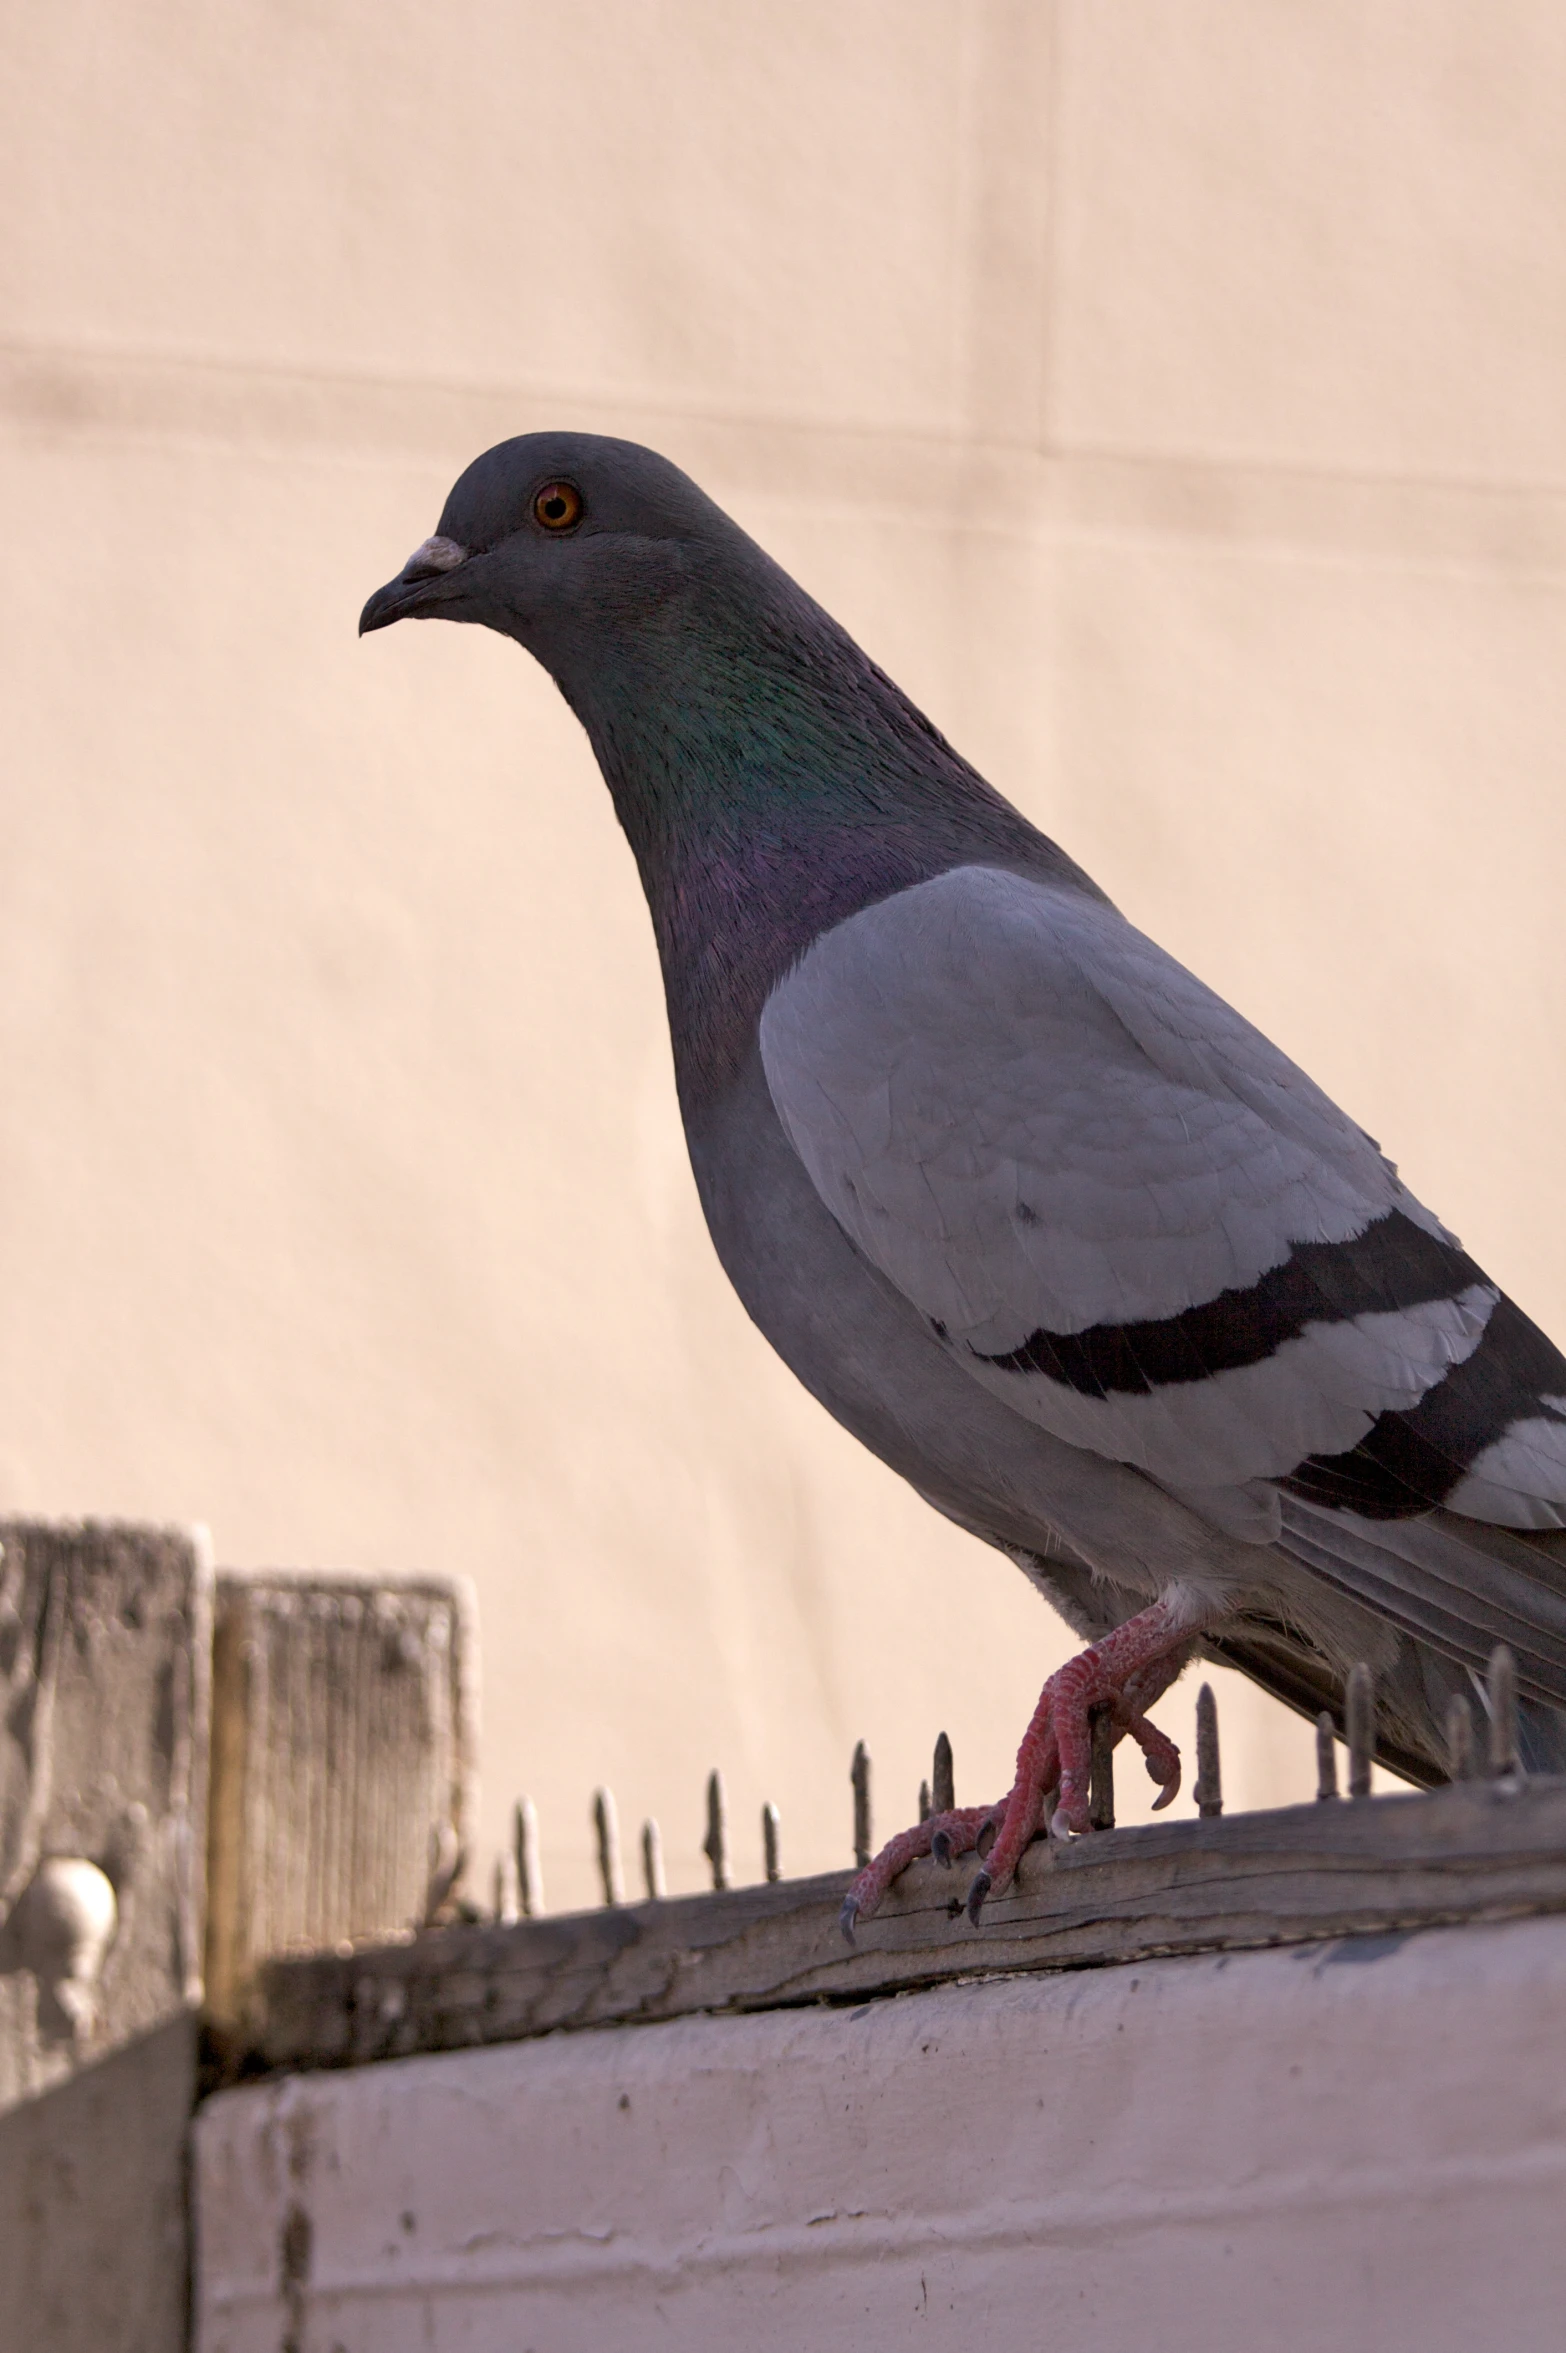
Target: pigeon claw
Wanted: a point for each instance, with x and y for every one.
(946, 1836)
(1124, 1674)
(1168, 1780)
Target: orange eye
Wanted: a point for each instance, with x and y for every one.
(557, 506)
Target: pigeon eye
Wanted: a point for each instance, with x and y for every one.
(558, 505)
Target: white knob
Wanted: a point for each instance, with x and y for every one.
(63, 1924)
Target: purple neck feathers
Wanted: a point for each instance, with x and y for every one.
(772, 781)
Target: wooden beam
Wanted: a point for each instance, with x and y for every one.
(1480, 1850)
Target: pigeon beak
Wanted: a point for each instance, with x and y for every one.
(404, 595)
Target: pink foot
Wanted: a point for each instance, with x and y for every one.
(946, 1836)
(1126, 1673)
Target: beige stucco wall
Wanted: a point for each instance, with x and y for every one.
(1170, 394)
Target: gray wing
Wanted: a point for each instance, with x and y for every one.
(1124, 1211)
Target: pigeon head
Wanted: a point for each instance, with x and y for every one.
(712, 688)
(708, 681)
(770, 778)
(578, 547)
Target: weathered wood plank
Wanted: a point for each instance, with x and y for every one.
(342, 1762)
(105, 1643)
(1476, 1851)
(105, 1636)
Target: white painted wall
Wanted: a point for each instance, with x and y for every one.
(1316, 2150)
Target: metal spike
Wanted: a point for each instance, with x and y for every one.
(1208, 1792)
(925, 1807)
(530, 1869)
(1359, 1725)
(1459, 1739)
(715, 1846)
(606, 1827)
(943, 1781)
(769, 1841)
(507, 1909)
(652, 1861)
(447, 1862)
(1101, 1777)
(859, 1775)
(1326, 1755)
(1503, 1712)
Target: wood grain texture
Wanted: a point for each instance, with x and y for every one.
(105, 1645)
(1477, 1851)
(105, 1639)
(342, 1762)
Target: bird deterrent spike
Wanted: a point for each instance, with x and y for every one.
(715, 1846)
(770, 1841)
(652, 1861)
(1504, 1760)
(1459, 1739)
(1359, 1723)
(448, 1857)
(507, 1908)
(943, 1781)
(1208, 1792)
(1326, 1755)
(1101, 1775)
(926, 1809)
(606, 1829)
(859, 1775)
(530, 1873)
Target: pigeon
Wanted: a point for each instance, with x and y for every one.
(1036, 1215)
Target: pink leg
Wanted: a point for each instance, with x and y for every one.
(1125, 1672)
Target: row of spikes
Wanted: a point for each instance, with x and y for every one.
(519, 1878)
(519, 1882)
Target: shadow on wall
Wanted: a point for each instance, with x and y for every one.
(98, 2163)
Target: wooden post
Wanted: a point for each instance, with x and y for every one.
(105, 1644)
(342, 1760)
